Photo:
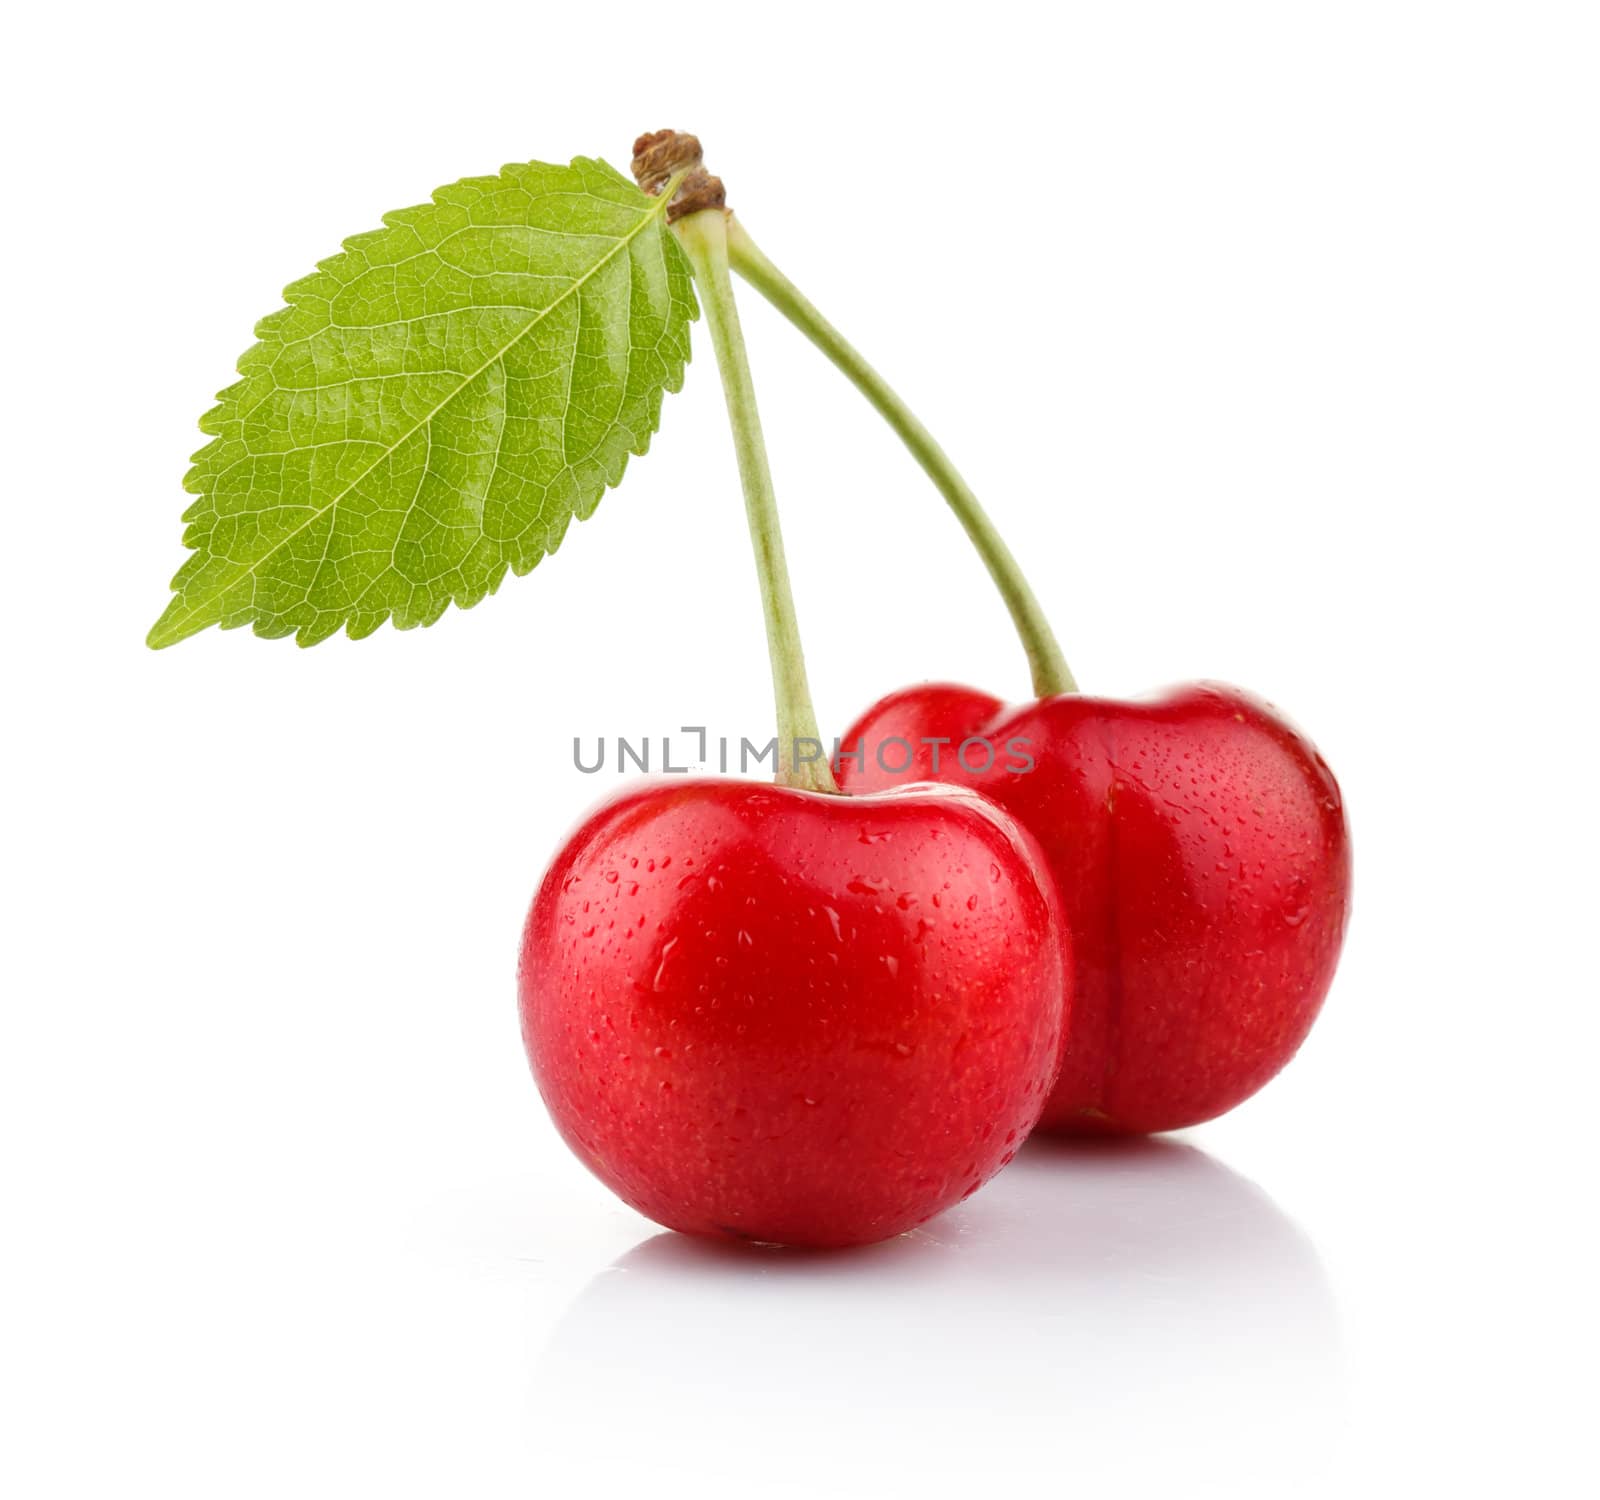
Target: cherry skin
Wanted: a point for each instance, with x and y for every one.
(1199, 845)
(792, 1017)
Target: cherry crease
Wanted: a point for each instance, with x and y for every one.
(1199, 846)
(793, 1017)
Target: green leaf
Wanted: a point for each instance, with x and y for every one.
(434, 406)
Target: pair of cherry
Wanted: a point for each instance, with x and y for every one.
(815, 1019)
(819, 1015)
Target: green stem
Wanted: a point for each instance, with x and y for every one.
(1049, 668)
(704, 236)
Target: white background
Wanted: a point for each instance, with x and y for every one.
(1269, 332)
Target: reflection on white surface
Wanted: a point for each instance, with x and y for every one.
(1133, 1310)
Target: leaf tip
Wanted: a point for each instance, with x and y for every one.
(176, 624)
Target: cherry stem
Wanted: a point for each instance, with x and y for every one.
(704, 236)
(1051, 674)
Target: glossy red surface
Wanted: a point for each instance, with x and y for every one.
(781, 1016)
(1200, 849)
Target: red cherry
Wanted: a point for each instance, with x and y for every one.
(791, 1017)
(1199, 846)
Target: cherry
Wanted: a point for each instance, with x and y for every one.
(792, 1017)
(1197, 839)
(1199, 846)
(780, 1013)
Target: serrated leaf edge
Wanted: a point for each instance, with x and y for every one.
(165, 632)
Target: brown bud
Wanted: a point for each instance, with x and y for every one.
(659, 154)
(700, 190)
